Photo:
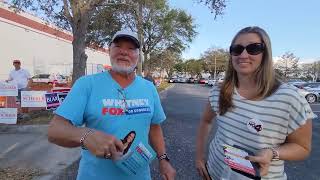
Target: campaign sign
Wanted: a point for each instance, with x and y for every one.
(62, 96)
(33, 99)
(137, 153)
(3, 101)
(8, 89)
(8, 115)
(52, 100)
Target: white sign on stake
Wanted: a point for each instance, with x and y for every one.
(33, 99)
(8, 115)
(8, 89)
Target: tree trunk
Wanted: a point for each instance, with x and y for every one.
(140, 36)
(146, 67)
(79, 46)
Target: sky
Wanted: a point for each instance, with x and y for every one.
(292, 25)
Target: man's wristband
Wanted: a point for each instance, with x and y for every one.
(163, 157)
(84, 136)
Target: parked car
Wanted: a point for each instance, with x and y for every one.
(49, 79)
(191, 80)
(212, 82)
(311, 91)
(202, 81)
(296, 82)
(173, 80)
(183, 80)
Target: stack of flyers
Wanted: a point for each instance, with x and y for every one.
(235, 159)
(135, 159)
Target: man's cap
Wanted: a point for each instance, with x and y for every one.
(123, 34)
(16, 61)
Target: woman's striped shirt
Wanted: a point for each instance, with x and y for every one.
(280, 114)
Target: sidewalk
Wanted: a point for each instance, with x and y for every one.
(27, 147)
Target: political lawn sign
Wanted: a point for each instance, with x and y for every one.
(8, 89)
(8, 115)
(33, 99)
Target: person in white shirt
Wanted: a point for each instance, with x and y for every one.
(20, 77)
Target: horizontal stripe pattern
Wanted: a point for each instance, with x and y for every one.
(280, 114)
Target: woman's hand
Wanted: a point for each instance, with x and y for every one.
(263, 158)
(202, 170)
(103, 145)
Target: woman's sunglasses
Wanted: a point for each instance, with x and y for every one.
(252, 49)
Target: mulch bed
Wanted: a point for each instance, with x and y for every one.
(21, 174)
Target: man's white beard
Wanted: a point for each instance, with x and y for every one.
(123, 69)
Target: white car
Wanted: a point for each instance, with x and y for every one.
(212, 82)
(311, 96)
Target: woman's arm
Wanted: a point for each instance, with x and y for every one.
(296, 147)
(298, 144)
(202, 138)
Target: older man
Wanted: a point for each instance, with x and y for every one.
(110, 105)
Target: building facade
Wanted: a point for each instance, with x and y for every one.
(41, 48)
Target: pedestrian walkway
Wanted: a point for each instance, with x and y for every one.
(28, 148)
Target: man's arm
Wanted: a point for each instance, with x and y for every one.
(158, 144)
(63, 133)
(28, 79)
(156, 139)
(10, 78)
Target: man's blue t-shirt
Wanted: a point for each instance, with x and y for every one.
(98, 102)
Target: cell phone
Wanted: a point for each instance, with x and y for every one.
(234, 156)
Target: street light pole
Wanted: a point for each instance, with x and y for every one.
(215, 67)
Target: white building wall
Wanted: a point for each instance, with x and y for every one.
(39, 52)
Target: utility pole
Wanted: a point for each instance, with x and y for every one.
(215, 67)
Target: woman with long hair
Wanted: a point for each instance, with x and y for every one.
(255, 111)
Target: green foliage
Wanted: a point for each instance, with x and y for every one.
(163, 60)
(194, 67)
(163, 28)
(287, 66)
(216, 6)
(215, 59)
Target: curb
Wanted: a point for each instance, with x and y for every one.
(163, 93)
(9, 129)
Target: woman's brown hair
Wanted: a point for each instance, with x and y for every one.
(265, 75)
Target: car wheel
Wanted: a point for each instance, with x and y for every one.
(311, 98)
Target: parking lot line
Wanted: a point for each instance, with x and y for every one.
(2, 155)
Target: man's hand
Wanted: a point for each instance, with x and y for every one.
(166, 170)
(264, 158)
(103, 145)
(202, 170)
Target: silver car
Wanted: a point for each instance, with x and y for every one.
(311, 91)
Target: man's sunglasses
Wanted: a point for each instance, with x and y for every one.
(124, 100)
(252, 49)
